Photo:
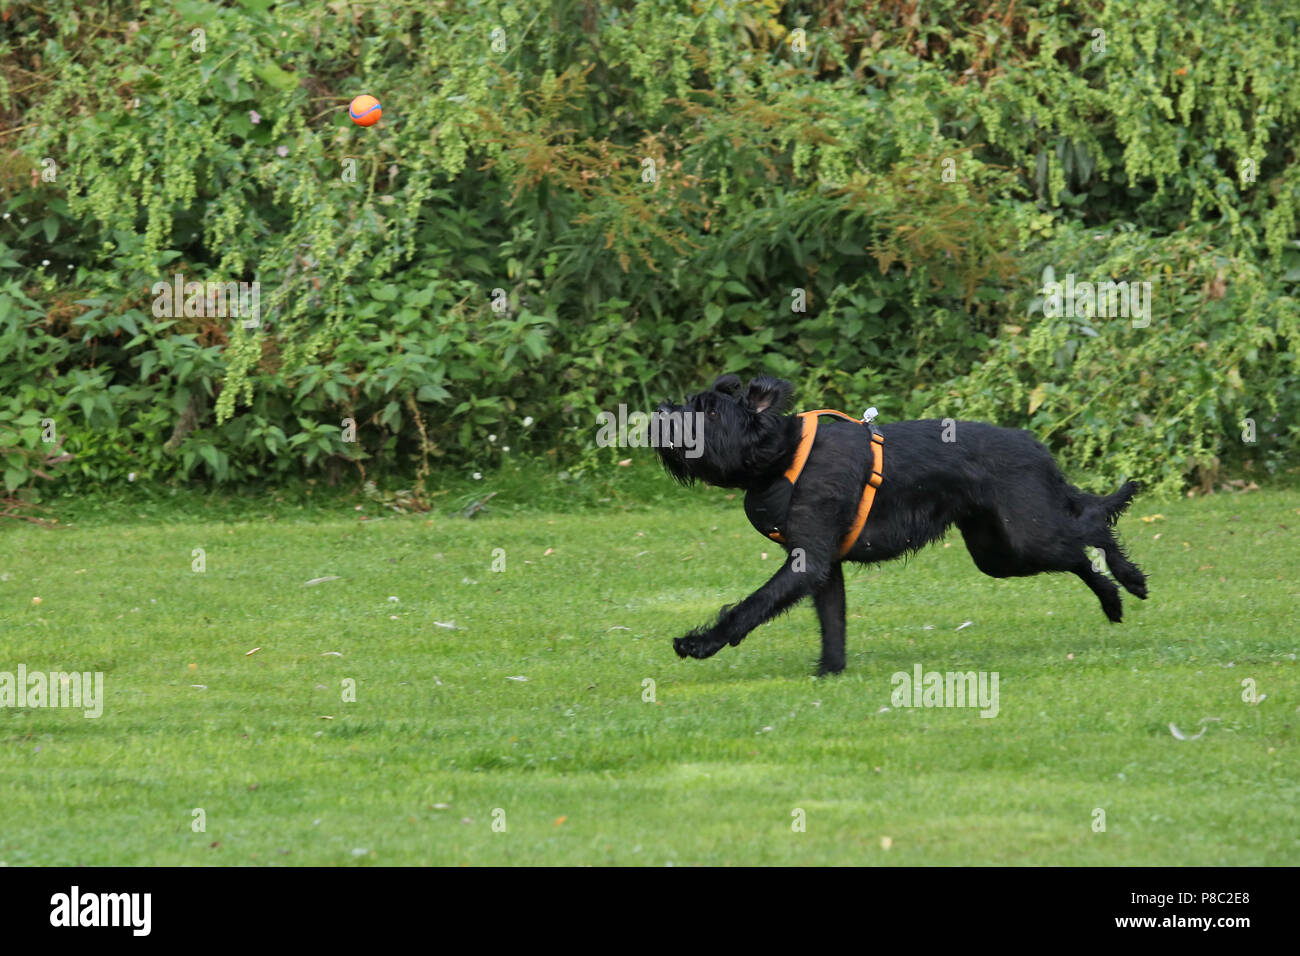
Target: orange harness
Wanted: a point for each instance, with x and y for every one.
(809, 424)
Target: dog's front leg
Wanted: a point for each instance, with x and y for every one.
(829, 600)
(798, 577)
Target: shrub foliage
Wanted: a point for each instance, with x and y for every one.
(570, 205)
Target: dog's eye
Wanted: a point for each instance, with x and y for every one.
(713, 414)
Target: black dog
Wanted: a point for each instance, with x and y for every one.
(1016, 512)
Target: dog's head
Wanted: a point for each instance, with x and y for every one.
(731, 435)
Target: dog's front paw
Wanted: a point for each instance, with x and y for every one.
(698, 645)
(829, 668)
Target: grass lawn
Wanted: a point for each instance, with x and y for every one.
(445, 736)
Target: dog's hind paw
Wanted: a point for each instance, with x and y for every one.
(697, 645)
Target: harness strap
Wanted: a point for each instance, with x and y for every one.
(808, 425)
(868, 493)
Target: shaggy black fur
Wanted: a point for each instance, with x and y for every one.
(1014, 508)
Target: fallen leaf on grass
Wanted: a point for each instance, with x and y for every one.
(1179, 735)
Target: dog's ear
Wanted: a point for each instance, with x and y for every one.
(728, 385)
(769, 394)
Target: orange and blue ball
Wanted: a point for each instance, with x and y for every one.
(365, 110)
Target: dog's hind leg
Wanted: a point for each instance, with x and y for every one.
(989, 549)
(829, 600)
(1126, 572)
(1099, 517)
(995, 557)
(1102, 515)
(1103, 587)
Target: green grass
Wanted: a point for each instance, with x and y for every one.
(585, 770)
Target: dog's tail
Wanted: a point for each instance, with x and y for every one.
(1112, 506)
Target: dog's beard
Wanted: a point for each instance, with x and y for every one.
(674, 462)
(719, 440)
(671, 443)
(723, 469)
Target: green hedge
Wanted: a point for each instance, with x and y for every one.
(645, 191)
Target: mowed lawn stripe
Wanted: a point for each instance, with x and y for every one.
(584, 760)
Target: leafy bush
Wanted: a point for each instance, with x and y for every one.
(1207, 377)
(573, 206)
